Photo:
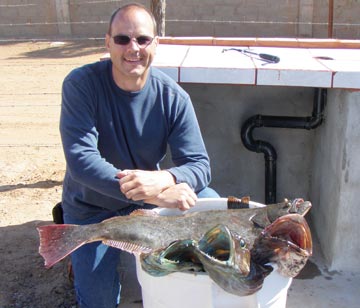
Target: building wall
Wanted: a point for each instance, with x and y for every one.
(336, 181)
(33, 18)
(219, 18)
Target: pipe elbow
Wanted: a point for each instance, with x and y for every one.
(253, 145)
(314, 121)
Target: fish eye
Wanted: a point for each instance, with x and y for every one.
(242, 243)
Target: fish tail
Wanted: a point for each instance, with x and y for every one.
(56, 242)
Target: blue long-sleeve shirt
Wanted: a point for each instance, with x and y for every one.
(105, 129)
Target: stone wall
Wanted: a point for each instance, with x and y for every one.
(220, 18)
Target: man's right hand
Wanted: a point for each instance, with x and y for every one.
(141, 184)
(179, 196)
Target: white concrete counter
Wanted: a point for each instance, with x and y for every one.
(304, 67)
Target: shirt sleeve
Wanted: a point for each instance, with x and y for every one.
(188, 151)
(80, 138)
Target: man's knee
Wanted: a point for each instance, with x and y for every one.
(208, 192)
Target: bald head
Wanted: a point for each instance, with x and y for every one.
(128, 8)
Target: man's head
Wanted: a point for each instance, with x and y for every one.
(131, 40)
(129, 6)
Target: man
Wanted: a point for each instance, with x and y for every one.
(117, 118)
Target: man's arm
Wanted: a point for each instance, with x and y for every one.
(157, 188)
(188, 152)
(80, 137)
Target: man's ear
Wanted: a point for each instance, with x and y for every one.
(156, 40)
(107, 41)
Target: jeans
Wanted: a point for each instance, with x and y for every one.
(97, 282)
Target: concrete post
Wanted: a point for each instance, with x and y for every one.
(63, 17)
(336, 181)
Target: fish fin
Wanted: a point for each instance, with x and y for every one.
(140, 212)
(144, 212)
(128, 247)
(260, 219)
(55, 243)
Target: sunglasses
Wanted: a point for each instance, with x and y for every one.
(142, 41)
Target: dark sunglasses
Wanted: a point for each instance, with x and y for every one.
(142, 41)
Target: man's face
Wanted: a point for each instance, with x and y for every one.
(131, 62)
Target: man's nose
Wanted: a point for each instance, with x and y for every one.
(133, 44)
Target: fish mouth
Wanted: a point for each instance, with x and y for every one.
(177, 257)
(293, 230)
(227, 260)
(222, 249)
(219, 249)
(286, 242)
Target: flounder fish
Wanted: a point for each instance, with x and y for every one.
(194, 239)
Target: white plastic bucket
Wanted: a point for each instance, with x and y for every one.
(178, 290)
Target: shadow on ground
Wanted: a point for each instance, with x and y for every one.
(25, 282)
(62, 49)
(40, 184)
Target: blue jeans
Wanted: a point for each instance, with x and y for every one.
(97, 281)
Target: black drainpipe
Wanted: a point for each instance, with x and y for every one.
(260, 146)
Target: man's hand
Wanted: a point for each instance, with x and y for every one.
(140, 184)
(179, 196)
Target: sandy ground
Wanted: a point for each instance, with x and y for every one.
(32, 168)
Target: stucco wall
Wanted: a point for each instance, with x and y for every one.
(232, 18)
(336, 181)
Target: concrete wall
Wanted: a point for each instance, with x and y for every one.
(336, 181)
(35, 18)
(220, 18)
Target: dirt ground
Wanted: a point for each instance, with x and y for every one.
(32, 165)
